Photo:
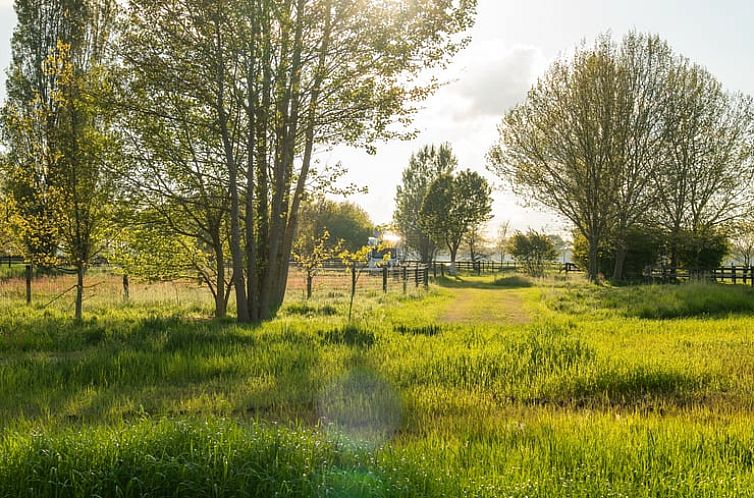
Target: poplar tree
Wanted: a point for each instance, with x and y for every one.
(59, 132)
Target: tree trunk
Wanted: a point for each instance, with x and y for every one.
(594, 264)
(674, 246)
(251, 145)
(79, 291)
(242, 306)
(453, 253)
(620, 260)
(290, 205)
(258, 229)
(221, 304)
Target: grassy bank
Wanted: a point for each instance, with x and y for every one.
(559, 390)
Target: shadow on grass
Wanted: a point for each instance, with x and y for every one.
(509, 282)
(308, 310)
(350, 335)
(54, 369)
(513, 282)
(640, 388)
(426, 330)
(637, 389)
(52, 333)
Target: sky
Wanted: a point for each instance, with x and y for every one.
(512, 44)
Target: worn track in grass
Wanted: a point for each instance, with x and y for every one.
(478, 301)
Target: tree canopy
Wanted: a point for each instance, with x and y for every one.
(622, 136)
(424, 167)
(258, 86)
(454, 205)
(346, 223)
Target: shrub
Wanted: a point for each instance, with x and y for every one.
(702, 252)
(533, 250)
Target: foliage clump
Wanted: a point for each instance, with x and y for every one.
(534, 251)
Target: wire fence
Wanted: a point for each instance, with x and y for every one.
(339, 278)
(23, 282)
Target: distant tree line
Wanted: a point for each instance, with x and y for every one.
(178, 137)
(643, 151)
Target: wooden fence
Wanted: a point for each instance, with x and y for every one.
(724, 274)
(440, 268)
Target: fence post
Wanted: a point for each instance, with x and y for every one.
(416, 275)
(426, 278)
(309, 279)
(734, 274)
(405, 279)
(434, 268)
(384, 279)
(442, 269)
(353, 279)
(28, 284)
(125, 287)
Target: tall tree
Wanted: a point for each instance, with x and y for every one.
(178, 177)
(704, 182)
(476, 240)
(501, 240)
(29, 120)
(617, 137)
(454, 205)
(424, 167)
(272, 81)
(644, 62)
(59, 134)
(561, 147)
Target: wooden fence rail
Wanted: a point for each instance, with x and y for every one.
(723, 274)
(440, 268)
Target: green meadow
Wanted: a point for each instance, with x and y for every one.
(481, 386)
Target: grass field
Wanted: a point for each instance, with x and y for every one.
(476, 388)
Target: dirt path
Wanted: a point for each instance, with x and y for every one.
(486, 305)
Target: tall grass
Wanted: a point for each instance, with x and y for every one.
(695, 299)
(593, 397)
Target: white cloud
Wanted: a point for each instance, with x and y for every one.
(486, 80)
(496, 78)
